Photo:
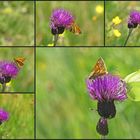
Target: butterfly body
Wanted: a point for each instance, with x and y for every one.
(19, 61)
(99, 69)
(75, 29)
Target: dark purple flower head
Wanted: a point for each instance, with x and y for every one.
(60, 20)
(4, 116)
(102, 126)
(134, 19)
(107, 88)
(8, 70)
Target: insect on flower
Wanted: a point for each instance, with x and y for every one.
(106, 89)
(62, 19)
(99, 69)
(75, 29)
(19, 61)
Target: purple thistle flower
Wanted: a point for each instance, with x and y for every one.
(134, 19)
(4, 116)
(8, 70)
(106, 89)
(60, 20)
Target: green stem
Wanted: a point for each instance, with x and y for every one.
(55, 39)
(3, 87)
(130, 31)
(103, 137)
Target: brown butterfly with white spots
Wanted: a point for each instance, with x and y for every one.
(99, 69)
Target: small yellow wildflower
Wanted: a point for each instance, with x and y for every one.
(51, 45)
(116, 20)
(117, 33)
(62, 35)
(99, 9)
(8, 84)
(7, 10)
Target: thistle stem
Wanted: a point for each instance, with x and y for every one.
(3, 87)
(103, 137)
(130, 31)
(55, 39)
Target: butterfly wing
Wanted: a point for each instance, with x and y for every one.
(75, 29)
(19, 61)
(99, 69)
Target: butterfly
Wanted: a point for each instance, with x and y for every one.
(99, 69)
(75, 29)
(19, 61)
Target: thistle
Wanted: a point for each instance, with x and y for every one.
(60, 21)
(8, 71)
(106, 89)
(133, 22)
(4, 116)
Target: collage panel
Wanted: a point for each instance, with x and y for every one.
(16, 23)
(122, 28)
(16, 69)
(67, 106)
(83, 91)
(75, 23)
(16, 116)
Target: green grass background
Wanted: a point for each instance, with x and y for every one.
(62, 99)
(24, 82)
(121, 9)
(92, 31)
(16, 23)
(21, 116)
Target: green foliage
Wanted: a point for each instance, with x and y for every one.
(21, 116)
(24, 82)
(121, 9)
(62, 99)
(84, 11)
(16, 23)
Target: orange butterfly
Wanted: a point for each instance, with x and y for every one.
(99, 69)
(75, 29)
(19, 61)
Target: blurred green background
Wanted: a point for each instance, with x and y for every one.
(89, 17)
(24, 81)
(121, 9)
(16, 23)
(62, 99)
(21, 116)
